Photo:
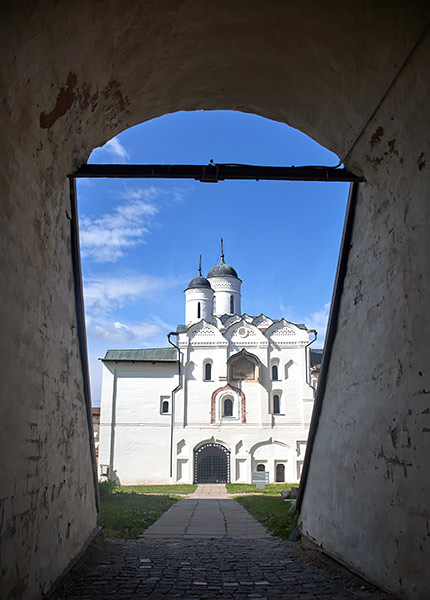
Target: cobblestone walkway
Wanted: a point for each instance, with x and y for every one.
(221, 568)
(193, 567)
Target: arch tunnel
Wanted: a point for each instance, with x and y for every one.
(355, 77)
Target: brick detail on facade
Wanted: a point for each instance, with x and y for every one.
(233, 389)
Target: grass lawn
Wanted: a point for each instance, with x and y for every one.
(272, 512)
(159, 489)
(126, 514)
(271, 489)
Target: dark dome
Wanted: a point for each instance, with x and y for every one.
(199, 282)
(222, 270)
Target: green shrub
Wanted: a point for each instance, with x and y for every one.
(107, 487)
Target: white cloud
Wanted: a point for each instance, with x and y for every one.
(121, 333)
(106, 293)
(316, 320)
(115, 150)
(104, 334)
(106, 238)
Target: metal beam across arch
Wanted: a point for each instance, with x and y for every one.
(214, 173)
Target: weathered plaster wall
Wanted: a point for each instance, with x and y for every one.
(375, 423)
(47, 501)
(75, 74)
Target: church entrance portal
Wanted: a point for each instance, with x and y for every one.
(211, 464)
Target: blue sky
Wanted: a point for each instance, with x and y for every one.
(141, 239)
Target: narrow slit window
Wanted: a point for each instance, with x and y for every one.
(276, 405)
(275, 372)
(208, 371)
(199, 311)
(231, 305)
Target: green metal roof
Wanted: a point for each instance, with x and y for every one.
(222, 270)
(143, 355)
(199, 282)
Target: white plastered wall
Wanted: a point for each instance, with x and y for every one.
(372, 511)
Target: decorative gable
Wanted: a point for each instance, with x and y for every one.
(231, 320)
(205, 334)
(247, 318)
(245, 334)
(283, 333)
(262, 322)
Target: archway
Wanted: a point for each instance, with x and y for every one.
(211, 463)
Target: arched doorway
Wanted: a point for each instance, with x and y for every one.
(211, 464)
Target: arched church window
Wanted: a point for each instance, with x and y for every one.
(198, 310)
(276, 404)
(208, 371)
(275, 372)
(261, 467)
(164, 407)
(228, 408)
(214, 304)
(231, 305)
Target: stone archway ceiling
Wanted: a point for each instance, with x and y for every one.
(321, 67)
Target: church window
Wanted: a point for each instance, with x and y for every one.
(275, 372)
(228, 408)
(198, 310)
(261, 467)
(164, 405)
(280, 473)
(214, 305)
(231, 305)
(276, 404)
(208, 371)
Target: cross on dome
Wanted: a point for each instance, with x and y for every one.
(222, 269)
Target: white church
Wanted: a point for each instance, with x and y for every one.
(233, 394)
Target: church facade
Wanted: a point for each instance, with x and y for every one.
(230, 396)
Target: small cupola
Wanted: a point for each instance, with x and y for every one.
(198, 299)
(222, 269)
(226, 285)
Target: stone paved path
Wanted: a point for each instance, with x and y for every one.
(208, 514)
(206, 556)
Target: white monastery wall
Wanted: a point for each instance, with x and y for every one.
(131, 414)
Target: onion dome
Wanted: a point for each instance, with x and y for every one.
(199, 281)
(222, 269)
